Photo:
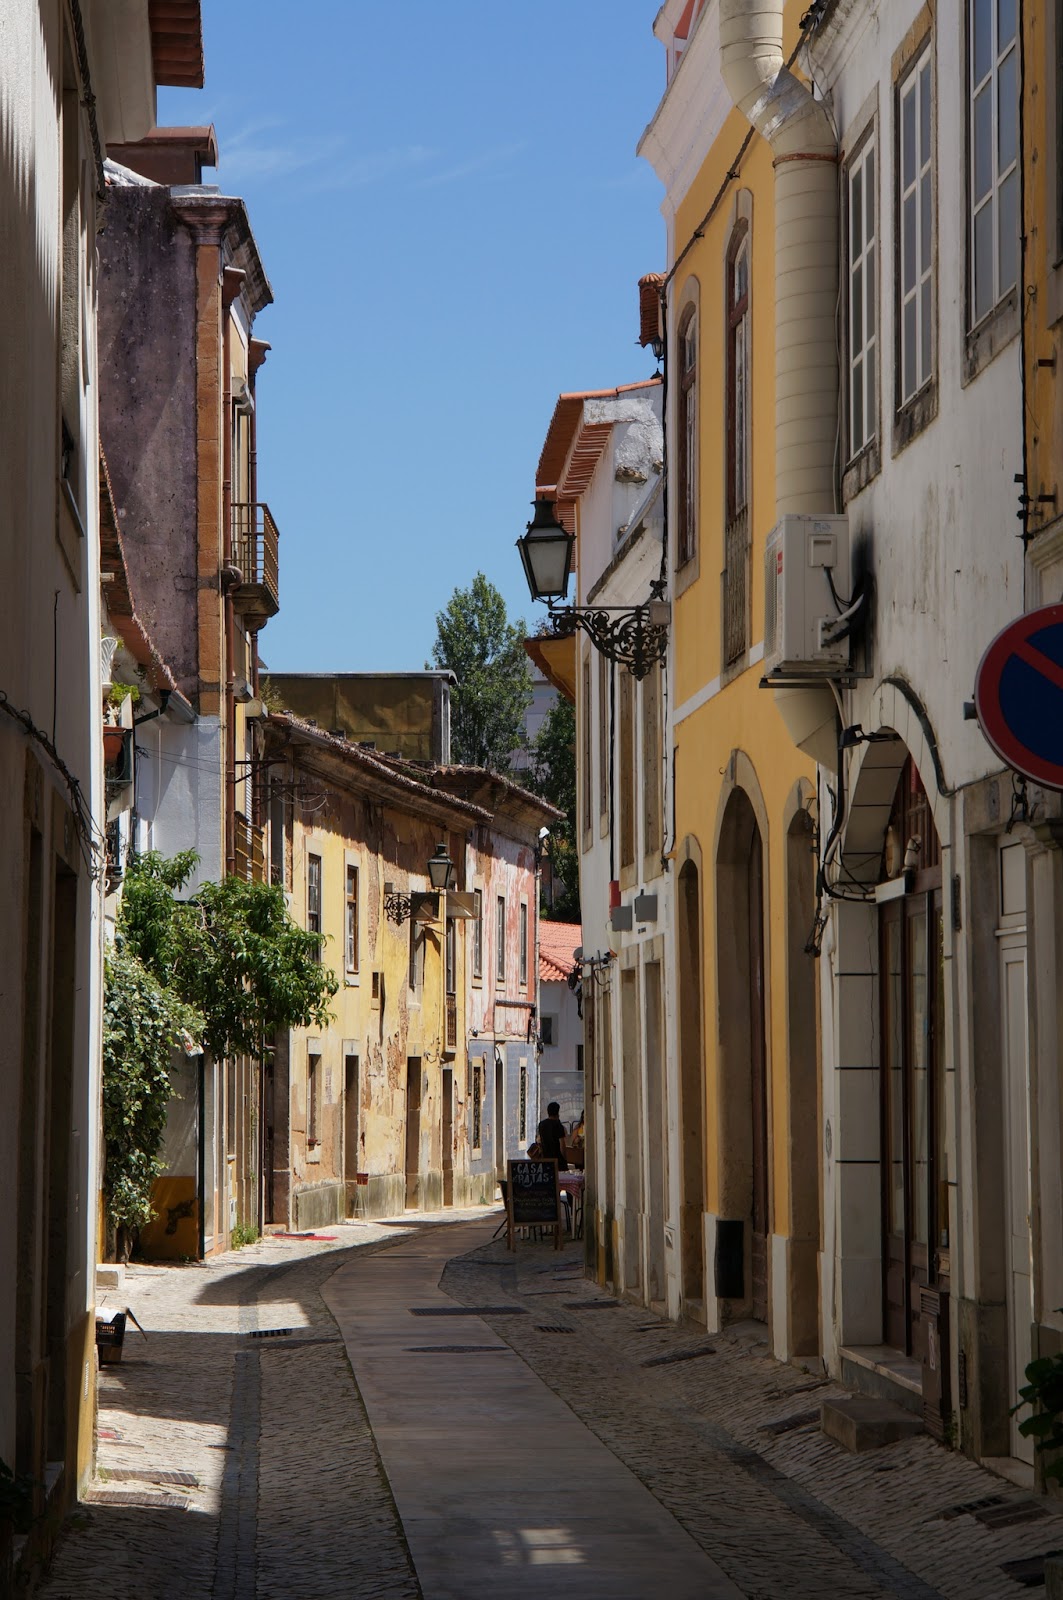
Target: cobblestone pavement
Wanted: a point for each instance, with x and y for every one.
(243, 1468)
(232, 1466)
(728, 1440)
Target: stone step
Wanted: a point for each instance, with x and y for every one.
(859, 1423)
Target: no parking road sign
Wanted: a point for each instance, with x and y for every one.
(1018, 694)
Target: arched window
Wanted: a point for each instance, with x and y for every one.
(738, 374)
(687, 541)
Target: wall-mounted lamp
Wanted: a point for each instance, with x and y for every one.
(398, 906)
(440, 869)
(636, 637)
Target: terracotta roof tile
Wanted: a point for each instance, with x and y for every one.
(557, 941)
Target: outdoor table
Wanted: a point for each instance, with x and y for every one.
(571, 1183)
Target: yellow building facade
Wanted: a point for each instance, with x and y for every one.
(744, 798)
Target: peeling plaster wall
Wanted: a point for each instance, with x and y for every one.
(148, 412)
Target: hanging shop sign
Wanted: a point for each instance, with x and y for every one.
(1018, 694)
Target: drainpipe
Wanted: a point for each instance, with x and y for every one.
(797, 127)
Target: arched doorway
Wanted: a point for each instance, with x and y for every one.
(691, 1092)
(803, 1089)
(745, 1228)
(915, 1220)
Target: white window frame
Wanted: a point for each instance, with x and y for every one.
(315, 880)
(1002, 171)
(915, 229)
(861, 287)
(500, 938)
(351, 913)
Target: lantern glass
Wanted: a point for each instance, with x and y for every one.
(440, 868)
(546, 552)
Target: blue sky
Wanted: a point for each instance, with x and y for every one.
(448, 204)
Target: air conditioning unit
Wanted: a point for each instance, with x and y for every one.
(804, 556)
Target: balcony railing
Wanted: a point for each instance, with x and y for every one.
(735, 584)
(255, 538)
(250, 858)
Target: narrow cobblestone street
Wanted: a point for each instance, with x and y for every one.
(247, 1453)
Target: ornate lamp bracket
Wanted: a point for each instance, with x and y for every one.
(635, 637)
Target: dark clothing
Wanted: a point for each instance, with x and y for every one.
(551, 1131)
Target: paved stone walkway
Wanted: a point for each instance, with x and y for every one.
(246, 1468)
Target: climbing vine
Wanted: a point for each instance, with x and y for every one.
(225, 969)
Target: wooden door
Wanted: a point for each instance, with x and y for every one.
(413, 1131)
(448, 1136)
(351, 1129)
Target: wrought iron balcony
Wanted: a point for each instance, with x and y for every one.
(256, 591)
(248, 850)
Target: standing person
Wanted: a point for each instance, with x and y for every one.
(551, 1133)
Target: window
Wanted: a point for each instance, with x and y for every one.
(993, 155)
(863, 319)
(500, 938)
(477, 1103)
(478, 934)
(313, 1099)
(626, 778)
(586, 785)
(313, 897)
(652, 769)
(522, 1105)
(603, 742)
(915, 201)
(450, 958)
(548, 1031)
(688, 437)
(416, 972)
(579, 1058)
(524, 944)
(351, 930)
(738, 375)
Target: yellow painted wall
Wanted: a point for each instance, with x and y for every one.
(741, 716)
(394, 846)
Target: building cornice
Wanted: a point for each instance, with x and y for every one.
(691, 114)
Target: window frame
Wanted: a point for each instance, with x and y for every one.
(738, 324)
(985, 336)
(315, 897)
(478, 936)
(500, 938)
(313, 1098)
(865, 151)
(920, 293)
(351, 921)
(687, 439)
(976, 206)
(525, 942)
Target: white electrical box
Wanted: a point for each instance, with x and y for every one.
(804, 555)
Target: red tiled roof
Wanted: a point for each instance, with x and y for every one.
(177, 43)
(557, 941)
(650, 307)
(567, 438)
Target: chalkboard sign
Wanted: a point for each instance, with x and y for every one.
(533, 1199)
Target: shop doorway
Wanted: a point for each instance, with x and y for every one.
(448, 1136)
(413, 1132)
(1011, 938)
(691, 1093)
(915, 1220)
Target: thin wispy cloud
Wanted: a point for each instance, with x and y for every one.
(480, 163)
(373, 166)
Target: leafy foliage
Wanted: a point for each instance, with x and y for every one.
(1043, 1391)
(554, 777)
(228, 967)
(485, 651)
(143, 1021)
(249, 968)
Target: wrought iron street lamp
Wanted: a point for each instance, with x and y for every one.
(440, 869)
(636, 637)
(398, 904)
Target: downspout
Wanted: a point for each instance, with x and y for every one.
(782, 109)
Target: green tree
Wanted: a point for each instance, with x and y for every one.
(485, 651)
(553, 776)
(227, 968)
